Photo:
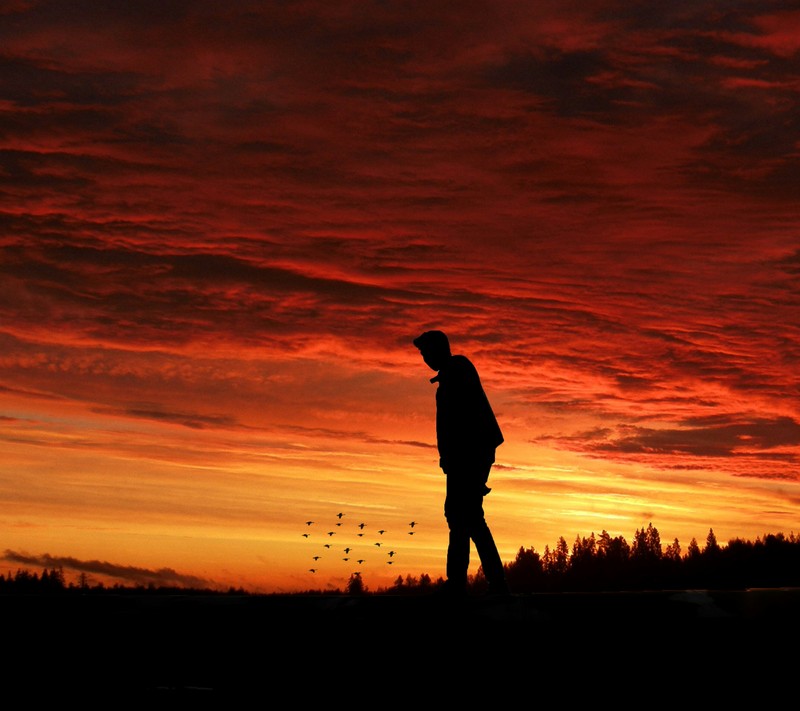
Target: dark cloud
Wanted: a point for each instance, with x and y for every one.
(561, 78)
(127, 296)
(707, 438)
(125, 574)
(195, 420)
(791, 263)
(693, 65)
(32, 394)
(349, 434)
(31, 84)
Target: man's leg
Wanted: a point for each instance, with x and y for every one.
(484, 541)
(458, 559)
(489, 555)
(459, 539)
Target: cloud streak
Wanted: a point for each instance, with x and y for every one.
(122, 574)
(774, 439)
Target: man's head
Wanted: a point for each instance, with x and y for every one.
(434, 347)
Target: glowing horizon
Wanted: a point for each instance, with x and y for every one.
(224, 226)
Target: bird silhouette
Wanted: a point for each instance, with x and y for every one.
(382, 531)
(317, 557)
(330, 533)
(345, 559)
(412, 524)
(308, 523)
(361, 525)
(411, 533)
(339, 524)
(339, 515)
(312, 570)
(306, 535)
(359, 534)
(378, 544)
(327, 545)
(360, 561)
(391, 553)
(348, 549)
(389, 562)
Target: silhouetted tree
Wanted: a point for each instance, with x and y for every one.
(425, 583)
(672, 565)
(355, 586)
(583, 551)
(411, 585)
(52, 580)
(477, 584)
(673, 551)
(646, 558)
(613, 557)
(613, 549)
(556, 562)
(525, 573)
(712, 547)
(646, 545)
(584, 564)
(712, 565)
(26, 582)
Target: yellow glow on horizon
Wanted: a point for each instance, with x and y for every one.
(232, 509)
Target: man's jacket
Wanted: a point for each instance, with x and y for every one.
(467, 432)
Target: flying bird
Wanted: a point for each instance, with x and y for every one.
(360, 561)
(348, 549)
(306, 535)
(411, 533)
(312, 570)
(308, 523)
(327, 545)
(359, 534)
(412, 524)
(378, 544)
(391, 553)
(330, 533)
(345, 559)
(382, 531)
(340, 515)
(317, 557)
(339, 524)
(361, 525)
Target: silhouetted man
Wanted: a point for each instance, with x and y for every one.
(467, 436)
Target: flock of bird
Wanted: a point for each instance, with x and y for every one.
(349, 550)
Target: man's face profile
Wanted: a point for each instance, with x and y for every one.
(433, 357)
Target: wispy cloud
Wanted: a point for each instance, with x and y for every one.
(713, 440)
(124, 574)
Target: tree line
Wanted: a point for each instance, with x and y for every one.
(609, 563)
(601, 563)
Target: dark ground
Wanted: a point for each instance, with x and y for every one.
(706, 646)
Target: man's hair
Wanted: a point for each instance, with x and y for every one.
(432, 340)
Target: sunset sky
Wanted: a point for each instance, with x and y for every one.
(224, 223)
